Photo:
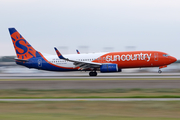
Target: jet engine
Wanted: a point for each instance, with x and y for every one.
(109, 68)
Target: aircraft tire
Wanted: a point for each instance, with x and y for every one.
(159, 71)
(92, 73)
(95, 73)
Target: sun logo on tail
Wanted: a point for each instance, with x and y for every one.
(23, 49)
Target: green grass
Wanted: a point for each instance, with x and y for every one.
(86, 110)
(73, 117)
(88, 93)
(83, 110)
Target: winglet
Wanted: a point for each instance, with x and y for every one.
(78, 52)
(59, 54)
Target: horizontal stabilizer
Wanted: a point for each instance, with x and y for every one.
(21, 60)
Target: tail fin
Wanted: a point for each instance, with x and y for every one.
(23, 49)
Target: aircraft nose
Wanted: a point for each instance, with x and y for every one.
(173, 59)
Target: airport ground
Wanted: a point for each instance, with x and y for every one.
(79, 80)
(124, 85)
(73, 86)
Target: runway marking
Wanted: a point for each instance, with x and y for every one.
(94, 99)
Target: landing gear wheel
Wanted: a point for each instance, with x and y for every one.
(92, 73)
(159, 71)
(95, 73)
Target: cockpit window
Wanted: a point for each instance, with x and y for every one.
(165, 55)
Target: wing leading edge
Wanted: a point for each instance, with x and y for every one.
(82, 64)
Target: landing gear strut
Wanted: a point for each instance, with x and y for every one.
(159, 71)
(93, 73)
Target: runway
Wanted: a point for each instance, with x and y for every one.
(89, 84)
(97, 99)
(82, 81)
(67, 75)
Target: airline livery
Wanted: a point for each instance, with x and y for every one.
(103, 62)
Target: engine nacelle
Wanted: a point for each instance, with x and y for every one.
(109, 68)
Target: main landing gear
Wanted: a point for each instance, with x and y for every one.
(93, 73)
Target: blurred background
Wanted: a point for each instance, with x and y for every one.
(92, 26)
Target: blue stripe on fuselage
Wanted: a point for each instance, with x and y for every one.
(43, 65)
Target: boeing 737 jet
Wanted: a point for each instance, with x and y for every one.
(93, 62)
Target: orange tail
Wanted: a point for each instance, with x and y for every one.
(23, 49)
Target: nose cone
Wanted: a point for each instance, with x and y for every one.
(173, 59)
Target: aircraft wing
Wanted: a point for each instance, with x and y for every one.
(81, 64)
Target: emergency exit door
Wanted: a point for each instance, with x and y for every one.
(155, 56)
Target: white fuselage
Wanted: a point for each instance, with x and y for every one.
(77, 57)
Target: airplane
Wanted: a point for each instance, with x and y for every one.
(106, 62)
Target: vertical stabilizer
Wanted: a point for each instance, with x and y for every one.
(23, 49)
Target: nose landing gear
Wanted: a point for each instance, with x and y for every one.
(159, 71)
